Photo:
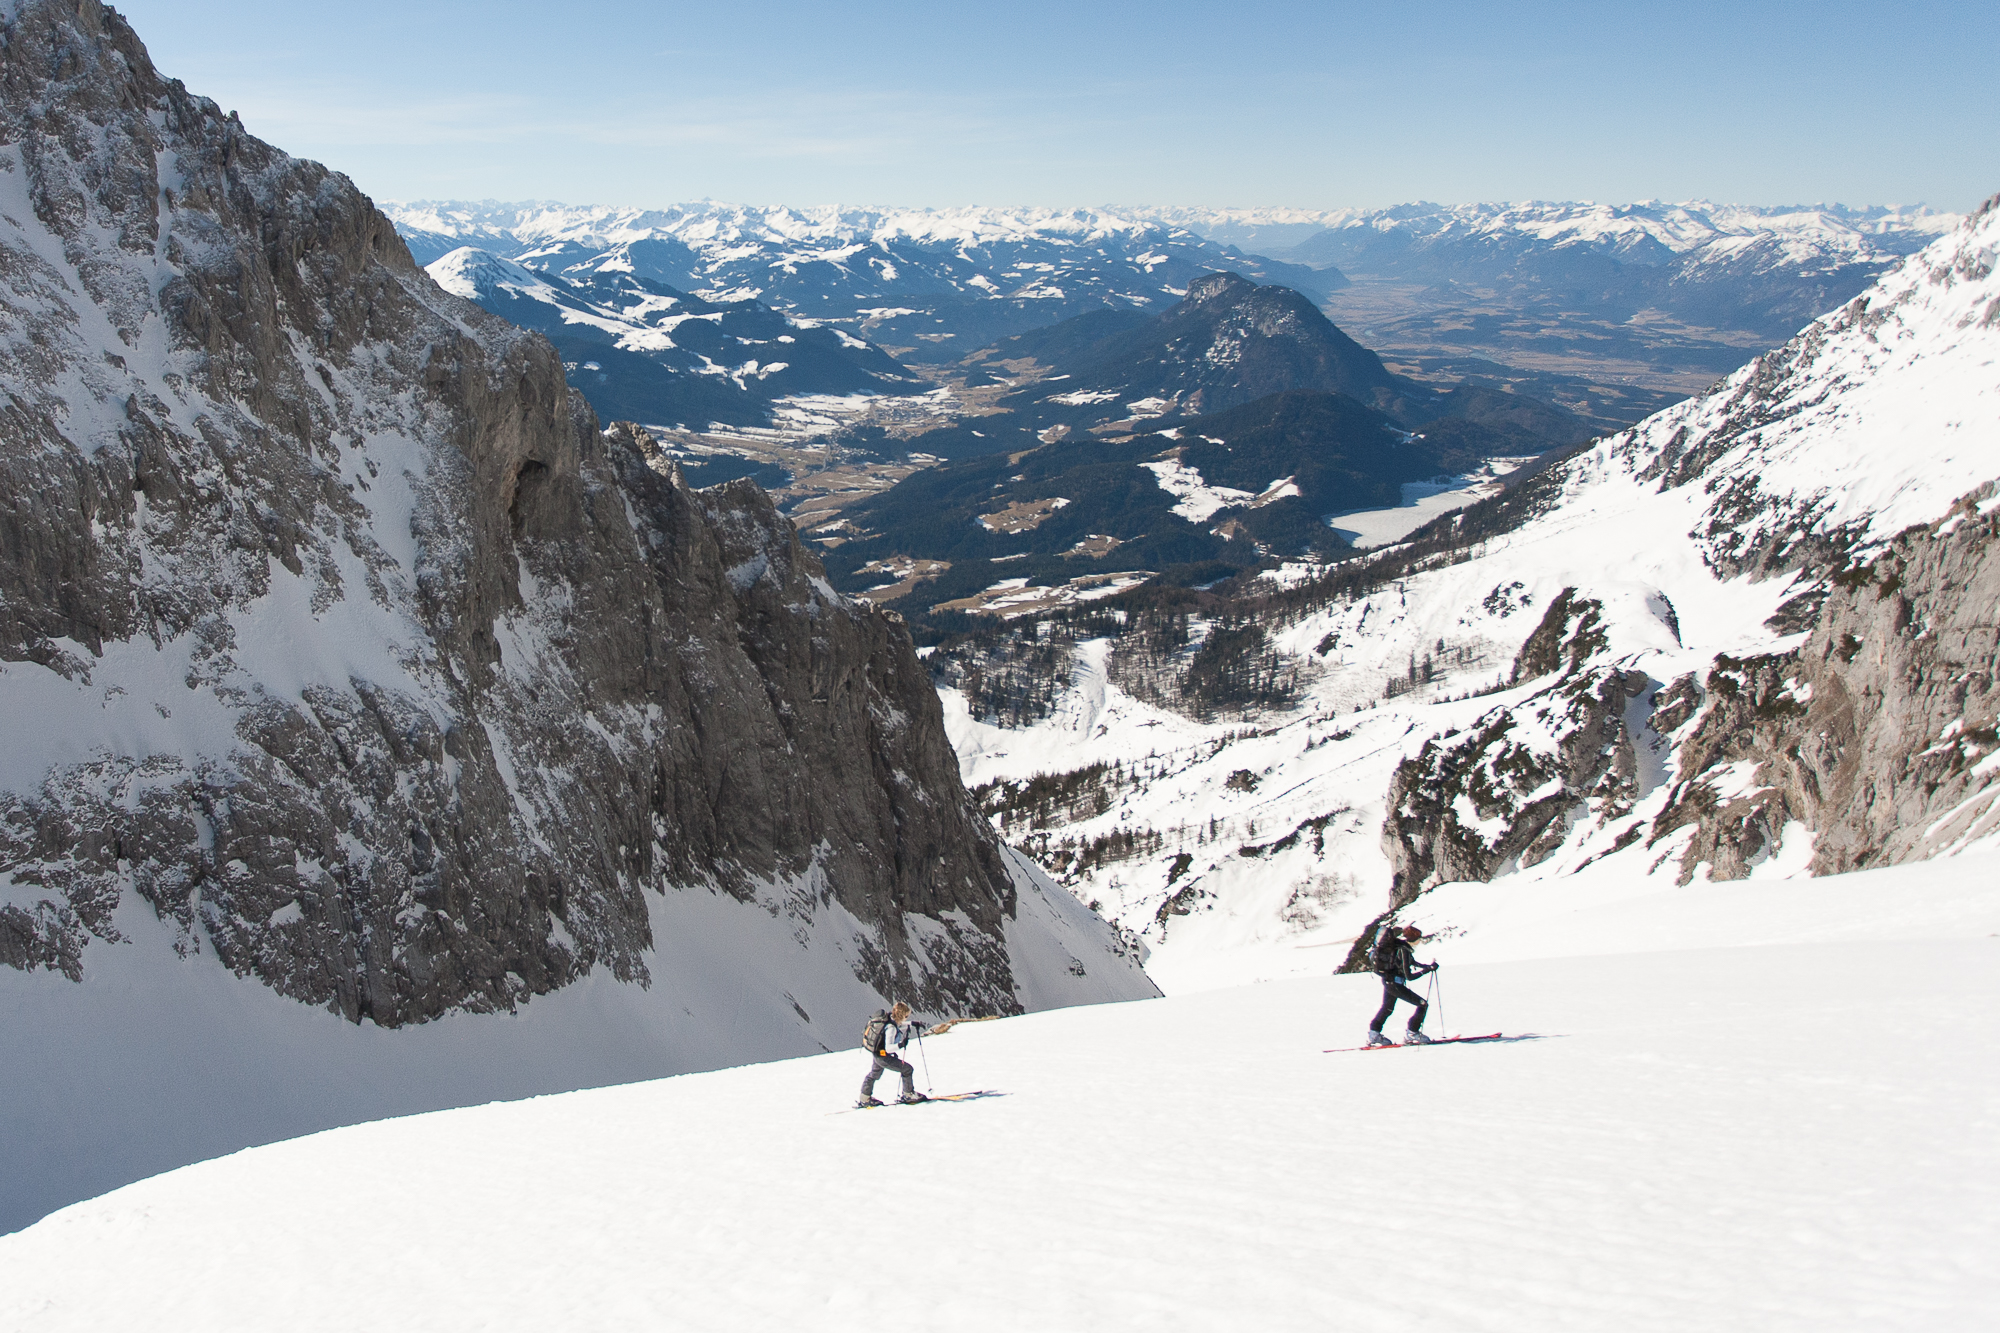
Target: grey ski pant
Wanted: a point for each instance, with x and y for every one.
(901, 1066)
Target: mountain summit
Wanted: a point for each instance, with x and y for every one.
(1225, 343)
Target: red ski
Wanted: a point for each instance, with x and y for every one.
(933, 1097)
(1434, 1041)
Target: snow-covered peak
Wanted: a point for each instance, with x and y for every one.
(1877, 416)
(471, 272)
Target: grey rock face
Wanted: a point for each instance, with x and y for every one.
(362, 654)
(1504, 791)
(1874, 732)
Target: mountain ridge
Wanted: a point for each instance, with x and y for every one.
(929, 283)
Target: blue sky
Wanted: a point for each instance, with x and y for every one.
(1250, 104)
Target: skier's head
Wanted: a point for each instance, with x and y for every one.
(901, 1012)
(1412, 934)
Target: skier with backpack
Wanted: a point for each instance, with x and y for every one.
(1397, 966)
(889, 1031)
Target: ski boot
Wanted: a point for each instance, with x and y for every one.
(865, 1103)
(1415, 1038)
(911, 1099)
(1377, 1039)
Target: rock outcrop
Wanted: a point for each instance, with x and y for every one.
(1877, 733)
(349, 641)
(1505, 791)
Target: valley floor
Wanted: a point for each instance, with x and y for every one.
(1761, 1105)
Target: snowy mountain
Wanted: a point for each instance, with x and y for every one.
(364, 685)
(1721, 1108)
(1228, 342)
(1763, 270)
(933, 284)
(643, 351)
(1613, 311)
(1751, 636)
(1696, 234)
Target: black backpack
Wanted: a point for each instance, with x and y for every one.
(1390, 955)
(871, 1036)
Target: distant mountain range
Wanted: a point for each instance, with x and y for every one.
(1613, 311)
(1803, 238)
(930, 284)
(1763, 270)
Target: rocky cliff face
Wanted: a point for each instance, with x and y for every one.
(1876, 735)
(1877, 732)
(338, 632)
(1505, 792)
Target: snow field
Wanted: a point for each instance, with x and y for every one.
(1777, 1136)
(158, 1060)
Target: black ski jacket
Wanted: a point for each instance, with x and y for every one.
(1393, 958)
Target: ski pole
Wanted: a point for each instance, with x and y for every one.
(1437, 991)
(924, 1055)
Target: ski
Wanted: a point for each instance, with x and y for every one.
(1397, 1046)
(934, 1097)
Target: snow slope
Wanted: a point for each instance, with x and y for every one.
(1880, 415)
(1739, 1130)
(158, 1059)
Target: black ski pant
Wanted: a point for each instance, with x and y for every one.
(1392, 991)
(901, 1066)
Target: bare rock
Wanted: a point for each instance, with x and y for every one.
(365, 656)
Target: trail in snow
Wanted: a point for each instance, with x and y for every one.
(1765, 1135)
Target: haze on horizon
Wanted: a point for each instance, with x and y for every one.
(1267, 104)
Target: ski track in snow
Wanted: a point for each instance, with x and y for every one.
(1767, 1127)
